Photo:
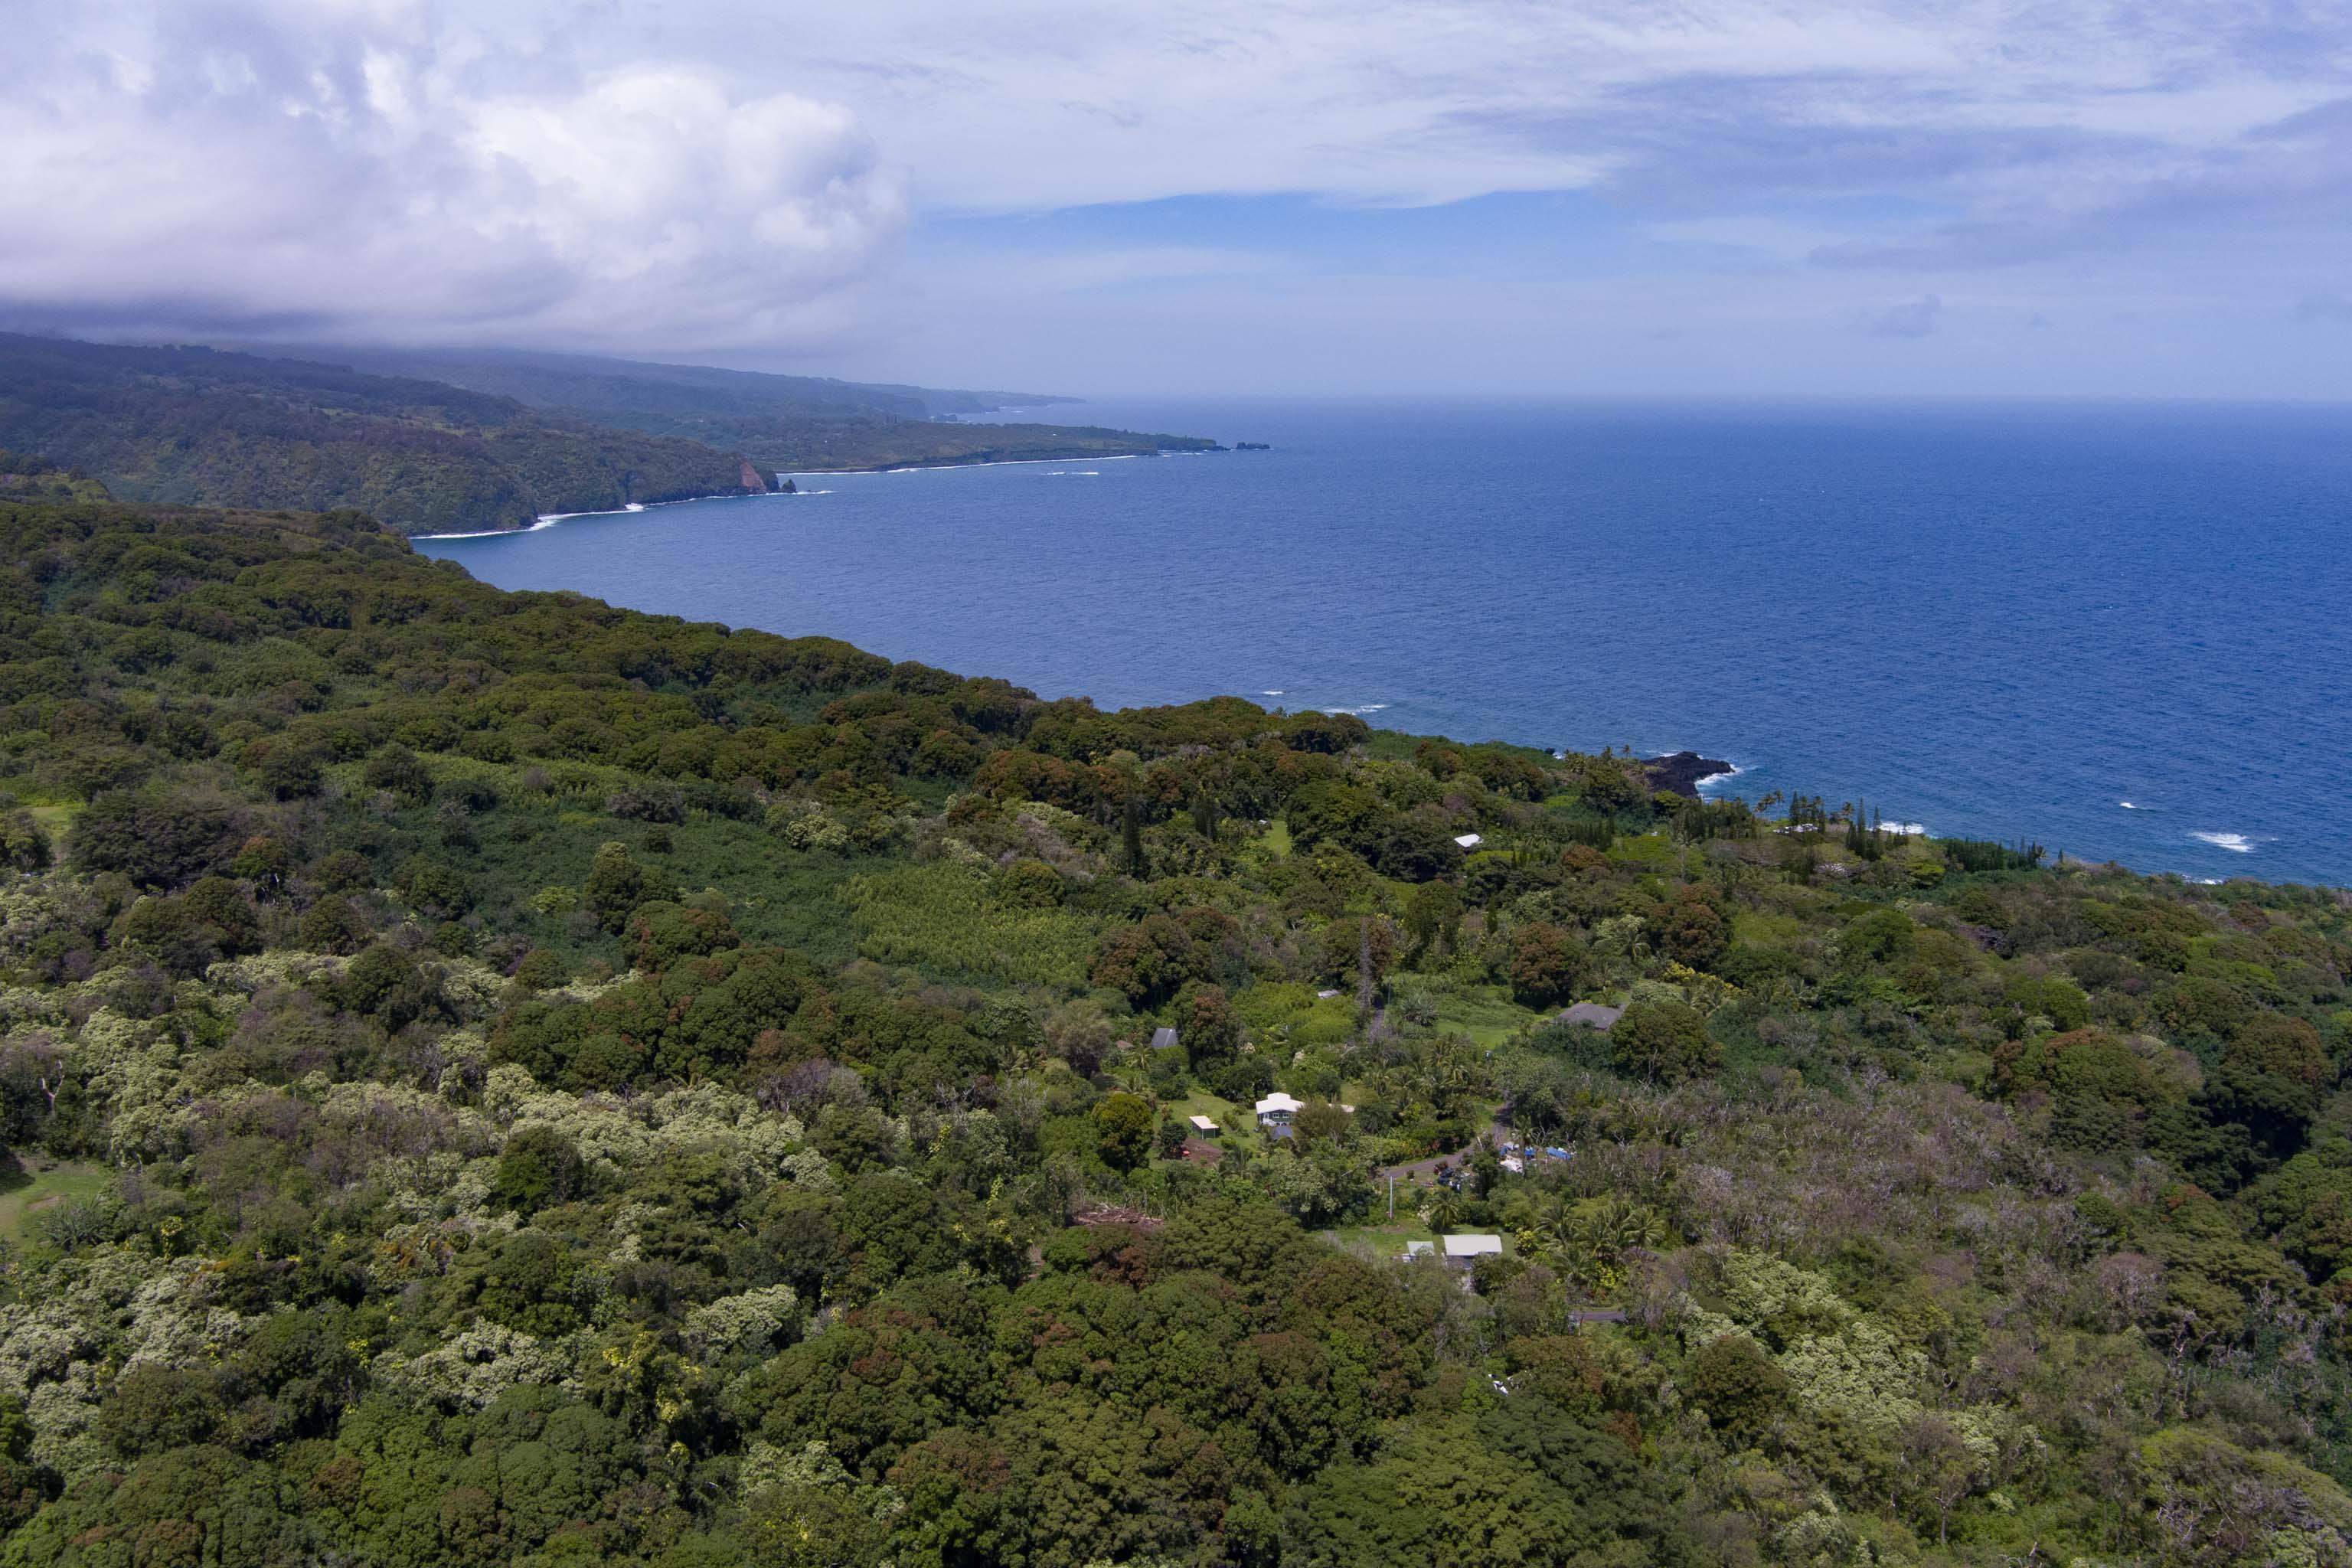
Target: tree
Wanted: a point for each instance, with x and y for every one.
(1664, 1042)
(1688, 929)
(1413, 847)
(539, 1168)
(617, 884)
(1323, 1121)
(400, 772)
(1433, 917)
(1606, 784)
(1131, 838)
(1123, 1130)
(1321, 1185)
(666, 934)
(23, 846)
(157, 838)
(1357, 948)
(1331, 810)
(1547, 962)
(1736, 1382)
(1168, 1142)
(1147, 961)
(1208, 1026)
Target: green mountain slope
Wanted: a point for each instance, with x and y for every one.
(791, 424)
(624, 391)
(199, 427)
(494, 1079)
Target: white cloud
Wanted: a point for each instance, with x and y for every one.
(1037, 103)
(728, 176)
(374, 169)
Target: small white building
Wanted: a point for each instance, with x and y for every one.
(1205, 1127)
(1414, 1249)
(1276, 1110)
(1464, 1250)
(1471, 841)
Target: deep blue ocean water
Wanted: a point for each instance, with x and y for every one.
(1996, 620)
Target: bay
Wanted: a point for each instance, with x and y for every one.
(2118, 630)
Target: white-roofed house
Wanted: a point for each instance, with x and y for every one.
(1464, 1250)
(1471, 841)
(1275, 1113)
(1205, 1127)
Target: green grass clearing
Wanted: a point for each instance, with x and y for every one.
(41, 1183)
(1381, 1239)
(1486, 1015)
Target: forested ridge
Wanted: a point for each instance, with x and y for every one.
(193, 426)
(201, 427)
(622, 392)
(492, 1078)
(787, 422)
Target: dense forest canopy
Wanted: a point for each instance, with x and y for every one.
(492, 1078)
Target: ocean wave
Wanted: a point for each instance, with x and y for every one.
(1278, 692)
(2236, 842)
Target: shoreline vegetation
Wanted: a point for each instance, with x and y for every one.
(498, 1078)
(205, 428)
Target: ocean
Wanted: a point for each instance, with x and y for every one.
(2117, 630)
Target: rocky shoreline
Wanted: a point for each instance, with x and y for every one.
(1681, 772)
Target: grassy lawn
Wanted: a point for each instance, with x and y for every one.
(1228, 1116)
(1487, 1017)
(1380, 1238)
(42, 1183)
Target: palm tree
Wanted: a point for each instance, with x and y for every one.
(1445, 1209)
(1136, 1079)
(1594, 1245)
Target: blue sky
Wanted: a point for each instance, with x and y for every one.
(1976, 196)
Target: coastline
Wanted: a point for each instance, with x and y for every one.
(1001, 462)
(550, 519)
